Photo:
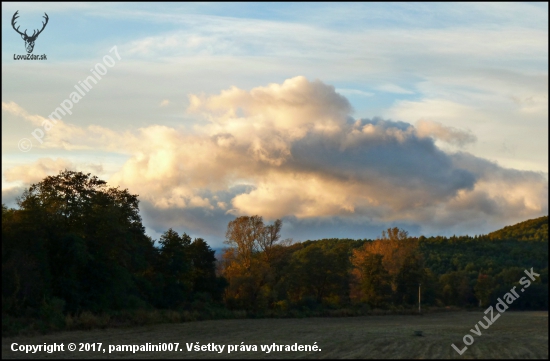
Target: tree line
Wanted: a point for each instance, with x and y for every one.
(383, 273)
(79, 245)
(82, 244)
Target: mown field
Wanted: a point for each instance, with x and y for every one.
(513, 335)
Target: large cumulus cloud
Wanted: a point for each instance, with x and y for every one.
(293, 151)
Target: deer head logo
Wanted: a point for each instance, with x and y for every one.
(29, 40)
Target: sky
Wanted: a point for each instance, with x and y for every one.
(341, 119)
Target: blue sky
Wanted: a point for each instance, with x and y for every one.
(431, 117)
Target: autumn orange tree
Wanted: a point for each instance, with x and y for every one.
(387, 269)
(247, 261)
(372, 281)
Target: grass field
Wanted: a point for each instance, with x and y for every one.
(513, 335)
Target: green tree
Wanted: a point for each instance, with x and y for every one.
(407, 280)
(176, 267)
(457, 288)
(319, 271)
(204, 270)
(26, 278)
(94, 242)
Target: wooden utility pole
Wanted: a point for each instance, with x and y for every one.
(419, 308)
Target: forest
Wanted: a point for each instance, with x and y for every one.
(76, 248)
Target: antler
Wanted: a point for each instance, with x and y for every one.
(43, 25)
(34, 34)
(15, 16)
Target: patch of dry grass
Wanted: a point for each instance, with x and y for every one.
(513, 335)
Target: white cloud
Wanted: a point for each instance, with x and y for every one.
(354, 92)
(393, 88)
(426, 128)
(302, 156)
(475, 70)
(33, 173)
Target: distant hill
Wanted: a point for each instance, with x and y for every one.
(530, 230)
